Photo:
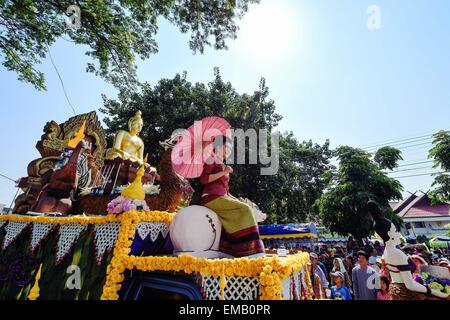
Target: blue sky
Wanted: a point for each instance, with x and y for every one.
(329, 75)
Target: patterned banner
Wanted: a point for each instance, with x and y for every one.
(152, 228)
(68, 234)
(13, 229)
(105, 238)
(39, 232)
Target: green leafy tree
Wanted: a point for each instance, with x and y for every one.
(388, 157)
(116, 31)
(440, 153)
(291, 194)
(359, 179)
(175, 103)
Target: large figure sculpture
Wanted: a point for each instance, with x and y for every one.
(71, 171)
(127, 144)
(168, 198)
(52, 144)
(403, 286)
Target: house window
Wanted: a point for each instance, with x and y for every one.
(419, 224)
(408, 225)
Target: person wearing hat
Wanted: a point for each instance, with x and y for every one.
(443, 262)
(339, 291)
(317, 270)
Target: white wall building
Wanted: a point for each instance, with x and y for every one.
(421, 217)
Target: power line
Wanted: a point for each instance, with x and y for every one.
(404, 148)
(419, 175)
(396, 141)
(401, 143)
(13, 200)
(415, 145)
(410, 169)
(388, 142)
(60, 80)
(8, 178)
(408, 164)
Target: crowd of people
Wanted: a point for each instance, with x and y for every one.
(359, 272)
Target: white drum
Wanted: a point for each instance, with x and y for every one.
(196, 231)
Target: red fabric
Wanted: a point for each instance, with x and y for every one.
(242, 243)
(208, 198)
(218, 187)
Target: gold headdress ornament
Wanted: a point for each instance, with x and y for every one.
(135, 189)
(78, 136)
(137, 117)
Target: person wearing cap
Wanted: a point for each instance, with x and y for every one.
(316, 270)
(338, 265)
(316, 283)
(434, 259)
(339, 291)
(443, 262)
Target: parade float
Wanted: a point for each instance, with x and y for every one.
(94, 222)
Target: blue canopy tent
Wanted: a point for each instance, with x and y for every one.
(288, 231)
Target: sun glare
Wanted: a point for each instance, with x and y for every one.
(267, 32)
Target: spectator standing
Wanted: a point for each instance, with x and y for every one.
(383, 293)
(339, 291)
(316, 283)
(350, 244)
(373, 259)
(379, 248)
(349, 265)
(384, 270)
(338, 266)
(363, 278)
(317, 270)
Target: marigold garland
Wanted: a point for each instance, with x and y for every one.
(145, 216)
(309, 287)
(270, 270)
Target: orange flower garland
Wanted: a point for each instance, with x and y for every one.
(271, 271)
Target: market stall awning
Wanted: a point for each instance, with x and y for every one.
(288, 231)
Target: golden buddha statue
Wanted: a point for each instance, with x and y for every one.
(127, 144)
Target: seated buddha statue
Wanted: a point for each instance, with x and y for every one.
(127, 144)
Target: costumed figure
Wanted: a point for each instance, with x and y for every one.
(403, 286)
(241, 236)
(200, 153)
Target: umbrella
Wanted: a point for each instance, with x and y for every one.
(195, 146)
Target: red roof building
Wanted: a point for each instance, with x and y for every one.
(421, 217)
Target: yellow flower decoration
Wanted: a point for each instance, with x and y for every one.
(271, 271)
